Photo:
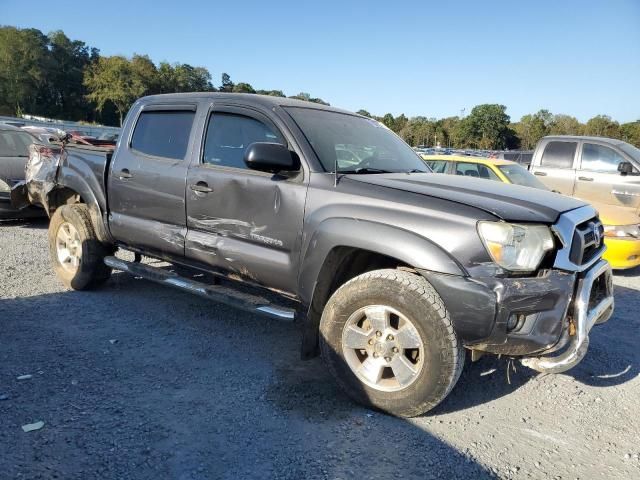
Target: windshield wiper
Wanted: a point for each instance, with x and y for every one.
(415, 170)
(364, 170)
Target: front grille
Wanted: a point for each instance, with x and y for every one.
(587, 241)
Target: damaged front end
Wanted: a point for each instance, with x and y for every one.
(41, 173)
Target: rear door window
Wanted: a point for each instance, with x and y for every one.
(559, 155)
(599, 158)
(438, 166)
(163, 133)
(475, 170)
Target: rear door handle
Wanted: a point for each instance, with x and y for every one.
(540, 174)
(586, 179)
(201, 187)
(124, 173)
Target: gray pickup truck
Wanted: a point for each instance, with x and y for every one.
(392, 271)
(596, 169)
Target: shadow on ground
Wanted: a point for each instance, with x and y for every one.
(141, 381)
(40, 223)
(613, 359)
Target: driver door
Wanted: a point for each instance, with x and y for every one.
(598, 179)
(241, 220)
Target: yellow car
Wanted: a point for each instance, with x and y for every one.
(621, 226)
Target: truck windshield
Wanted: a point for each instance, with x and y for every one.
(519, 175)
(357, 144)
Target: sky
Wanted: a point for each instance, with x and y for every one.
(415, 57)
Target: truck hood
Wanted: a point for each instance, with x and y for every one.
(509, 202)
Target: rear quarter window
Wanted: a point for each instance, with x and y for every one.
(163, 133)
(558, 155)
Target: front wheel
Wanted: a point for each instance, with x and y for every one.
(76, 252)
(387, 338)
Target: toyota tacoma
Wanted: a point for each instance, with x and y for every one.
(392, 271)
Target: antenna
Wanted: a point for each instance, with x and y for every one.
(335, 172)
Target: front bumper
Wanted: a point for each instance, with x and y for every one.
(622, 253)
(593, 305)
(557, 310)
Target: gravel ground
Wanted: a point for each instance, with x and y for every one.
(141, 381)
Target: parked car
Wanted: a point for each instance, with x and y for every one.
(394, 270)
(45, 134)
(595, 169)
(523, 157)
(14, 152)
(621, 227)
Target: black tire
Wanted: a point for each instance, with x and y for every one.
(416, 299)
(91, 271)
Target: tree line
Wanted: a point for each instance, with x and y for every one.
(56, 77)
(488, 127)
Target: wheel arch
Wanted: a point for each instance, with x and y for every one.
(345, 248)
(70, 189)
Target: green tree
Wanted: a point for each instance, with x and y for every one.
(308, 98)
(145, 74)
(63, 92)
(243, 88)
(364, 113)
(602, 126)
(630, 133)
(23, 68)
(531, 128)
(112, 80)
(487, 126)
(565, 125)
(227, 84)
(271, 93)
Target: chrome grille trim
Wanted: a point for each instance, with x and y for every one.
(565, 228)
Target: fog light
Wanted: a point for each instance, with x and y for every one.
(515, 322)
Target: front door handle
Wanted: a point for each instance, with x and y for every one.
(201, 187)
(586, 179)
(124, 173)
(540, 174)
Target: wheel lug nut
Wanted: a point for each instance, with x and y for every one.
(395, 350)
(375, 355)
(371, 341)
(378, 334)
(388, 359)
(389, 337)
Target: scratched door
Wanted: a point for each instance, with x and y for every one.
(242, 220)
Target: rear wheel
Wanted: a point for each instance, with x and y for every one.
(387, 338)
(76, 253)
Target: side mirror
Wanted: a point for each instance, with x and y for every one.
(270, 157)
(625, 168)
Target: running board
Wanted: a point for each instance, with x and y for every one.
(217, 293)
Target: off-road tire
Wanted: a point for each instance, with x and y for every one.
(415, 298)
(91, 272)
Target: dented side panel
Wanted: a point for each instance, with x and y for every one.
(250, 224)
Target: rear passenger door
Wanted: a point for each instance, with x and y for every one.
(146, 184)
(241, 220)
(556, 168)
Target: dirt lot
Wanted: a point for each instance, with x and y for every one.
(141, 381)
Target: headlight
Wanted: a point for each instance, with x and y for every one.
(622, 231)
(4, 186)
(516, 247)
